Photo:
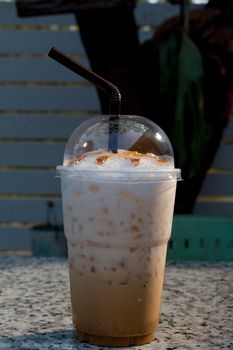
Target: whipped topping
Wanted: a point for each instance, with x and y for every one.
(123, 160)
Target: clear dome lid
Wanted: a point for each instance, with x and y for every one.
(135, 133)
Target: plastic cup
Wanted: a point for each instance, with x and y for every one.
(117, 219)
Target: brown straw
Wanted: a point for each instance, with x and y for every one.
(110, 89)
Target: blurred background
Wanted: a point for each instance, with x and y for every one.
(179, 75)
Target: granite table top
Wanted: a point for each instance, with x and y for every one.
(35, 311)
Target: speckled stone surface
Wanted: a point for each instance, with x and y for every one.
(35, 311)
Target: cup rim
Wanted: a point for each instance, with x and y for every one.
(126, 175)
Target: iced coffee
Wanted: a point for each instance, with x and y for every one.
(118, 210)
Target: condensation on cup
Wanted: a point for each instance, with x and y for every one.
(118, 210)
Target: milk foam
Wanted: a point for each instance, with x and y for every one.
(123, 160)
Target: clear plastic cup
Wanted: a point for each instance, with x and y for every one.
(118, 211)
